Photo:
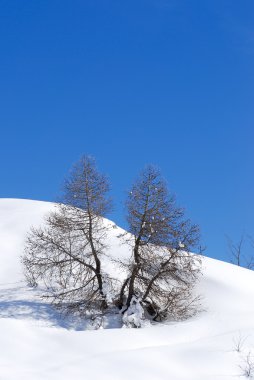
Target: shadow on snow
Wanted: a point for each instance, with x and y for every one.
(23, 303)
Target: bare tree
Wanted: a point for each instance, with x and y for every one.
(237, 252)
(248, 366)
(239, 342)
(250, 260)
(66, 253)
(162, 272)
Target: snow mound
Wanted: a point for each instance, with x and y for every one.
(36, 343)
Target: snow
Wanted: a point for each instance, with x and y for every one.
(134, 316)
(37, 344)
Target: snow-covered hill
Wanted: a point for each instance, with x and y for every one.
(36, 344)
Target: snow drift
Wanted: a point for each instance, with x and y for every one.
(36, 343)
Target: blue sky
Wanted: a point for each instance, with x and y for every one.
(132, 82)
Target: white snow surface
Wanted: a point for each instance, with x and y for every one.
(37, 344)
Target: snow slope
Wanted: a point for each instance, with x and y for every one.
(37, 344)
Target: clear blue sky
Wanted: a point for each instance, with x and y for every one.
(132, 82)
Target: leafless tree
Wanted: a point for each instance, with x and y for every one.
(248, 366)
(250, 261)
(237, 252)
(162, 271)
(66, 253)
(239, 342)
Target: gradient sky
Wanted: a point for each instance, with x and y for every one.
(132, 82)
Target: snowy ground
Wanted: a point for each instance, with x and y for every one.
(36, 343)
